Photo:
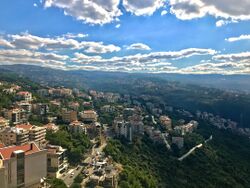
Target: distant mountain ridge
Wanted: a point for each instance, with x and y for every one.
(85, 78)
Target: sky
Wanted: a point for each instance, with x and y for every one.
(150, 36)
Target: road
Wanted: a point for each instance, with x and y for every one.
(193, 149)
(68, 178)
(94, 153)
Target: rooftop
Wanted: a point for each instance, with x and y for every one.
(6, 152)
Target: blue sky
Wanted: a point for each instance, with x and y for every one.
(176, 36)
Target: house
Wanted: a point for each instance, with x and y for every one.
(24, 95)
(57, 161)
(22, 166)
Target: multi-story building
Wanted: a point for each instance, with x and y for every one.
(122, 128)
(22, 166)
(108, 109)
(16, 115)
(187, 128)
(137, 124)
(24, 95)
(43, 92)
(57, 161)
(74, 105)
(3, 123)
(25, 105)
(69, 115)
(36, 134)
(88, 116)
(14, 136)
(41, 109)
(77, 127)
(52, 127)
(166, 122)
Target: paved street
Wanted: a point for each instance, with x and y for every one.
(68, 178)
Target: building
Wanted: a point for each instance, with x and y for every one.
(88, 116)
(57, 161)
(22, 166)
(77, 127)
(122, 128)
(14, 136)
(3, 123)
(60, 92)
(16, 115)
(24, 95)
(107, 109)
(137, 124)
(36, 134)
(178, 141)
(52, 127)
(69, 115)
(26, 106)
(187, 128)
(166, 122)
(43, 92)
(41, 109)
(74, 105)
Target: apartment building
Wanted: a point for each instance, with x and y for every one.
(36, 134)
(123, 129)
(16, 115)
(19, 166)
(3, 123)
(166, 122)
(14, 136)
(88, 116)
(77, 127)
(57, 161)
(69, 115)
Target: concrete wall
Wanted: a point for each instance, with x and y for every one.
(35, 168)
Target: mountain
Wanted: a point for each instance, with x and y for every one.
(82, 78)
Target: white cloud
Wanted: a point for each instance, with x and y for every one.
(143, 7)
(234, 57)
(28, 41)
(74, 35)
(35, 5)
(138, 46)
(99, 47)
(5, 43)
(118, 26)
(93, 12)
(146, 59)
(164, 12)
(225, 9)
(29, 57)
(241, 37)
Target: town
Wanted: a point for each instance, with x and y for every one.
(50, 135)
